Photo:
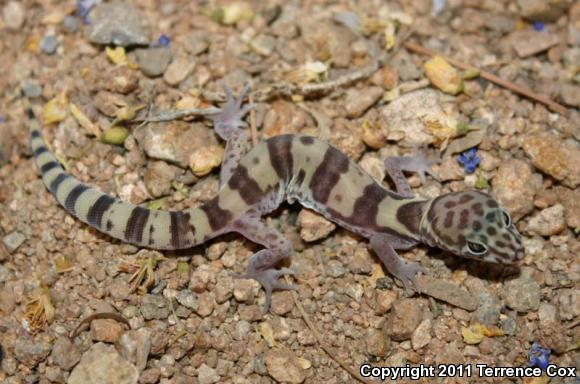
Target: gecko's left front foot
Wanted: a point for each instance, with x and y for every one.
(229, 119)
(268, 279)
(408, 272)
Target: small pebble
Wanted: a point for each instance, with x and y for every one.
(178, 70)
(31, 89)
(49, 44)
(65, 353)
(207, 375)
(523, 294)
(13, 14)
(283, 367)
(71, 24)
(13, 240)
(153, 61)
(135, 345)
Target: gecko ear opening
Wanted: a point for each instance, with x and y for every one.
(476, 248)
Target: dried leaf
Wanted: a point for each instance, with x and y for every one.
(236, 12)
(128, 112)
(55, 110)
(39, 311)
(83, 120)
(117, 55)
(267, 333)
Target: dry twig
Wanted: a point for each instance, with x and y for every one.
(321, 341)
(284, 88)
(100, 315)
(524, 91)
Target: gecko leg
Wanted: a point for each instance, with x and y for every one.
(418, 163)
(228, 125)
(384, 246)
(261, 265)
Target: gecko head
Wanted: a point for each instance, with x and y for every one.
(472, 224)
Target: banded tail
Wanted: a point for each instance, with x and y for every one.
(121, 220)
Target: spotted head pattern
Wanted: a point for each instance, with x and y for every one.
(472, 224)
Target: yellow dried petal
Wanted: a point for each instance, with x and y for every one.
(117, 55)
(472, 334)
(491, 331)
(267, 333)
(33, 43)
(205, 159)
(441, 130)
(373, 135)
(443, 75)
(303, 363)
(236, 12)
(55, 110)
(188, 102)
(83, 120)
(390, 38)
(63, 264)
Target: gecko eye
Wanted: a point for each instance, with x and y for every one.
(507, 220)
(476, 249)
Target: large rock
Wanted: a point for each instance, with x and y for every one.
(543, 10)
(175, 141)
(104, 365)
(117, 23)
(556, 157)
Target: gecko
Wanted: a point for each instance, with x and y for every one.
(293, 167)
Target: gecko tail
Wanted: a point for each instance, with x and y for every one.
(156, 229)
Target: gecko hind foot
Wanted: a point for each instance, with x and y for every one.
(229, 118)
(268, 279)
(418, 163)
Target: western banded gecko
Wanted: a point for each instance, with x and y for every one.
(299, 168)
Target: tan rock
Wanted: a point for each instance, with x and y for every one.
(529, 42)
(515, 187)
(106, 330)
(570, 199)
(556, 157)
(178, 70)
(313, 226)
(283, 366)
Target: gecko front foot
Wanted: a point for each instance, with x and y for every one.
(268, 278)
(407, 272)
(229, 118)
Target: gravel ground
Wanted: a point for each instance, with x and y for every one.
(90, 67)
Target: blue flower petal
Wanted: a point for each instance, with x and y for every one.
(539, 356)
